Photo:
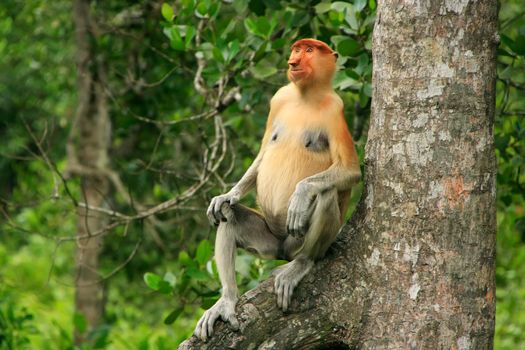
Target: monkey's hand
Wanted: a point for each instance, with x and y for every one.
(302, 204)
(215, 214)
(224, 308)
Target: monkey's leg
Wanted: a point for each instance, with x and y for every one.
(324, 226)
(244, 228)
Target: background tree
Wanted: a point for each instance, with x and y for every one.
(174, 144)
(87, 151)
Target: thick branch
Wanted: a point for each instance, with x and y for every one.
(326, 310)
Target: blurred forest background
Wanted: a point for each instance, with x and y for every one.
(148, 113)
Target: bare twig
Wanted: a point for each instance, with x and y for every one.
(201, 116)
(45, 157)
(198, 81)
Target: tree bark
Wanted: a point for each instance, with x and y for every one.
(88, 148)
(415, 267)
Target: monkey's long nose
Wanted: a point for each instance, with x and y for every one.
(294, 62)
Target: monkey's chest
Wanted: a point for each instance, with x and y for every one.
(311, 140)
(290, 156)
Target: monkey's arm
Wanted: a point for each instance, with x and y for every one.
(341, 175)
(336, 177)
(245, 184)
(301, 202)
(344, 171)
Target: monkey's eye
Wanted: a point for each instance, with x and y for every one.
(309, 49)
(297, 49)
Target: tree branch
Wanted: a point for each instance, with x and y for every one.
(316, 317)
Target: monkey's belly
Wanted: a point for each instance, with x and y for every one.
(280, 170)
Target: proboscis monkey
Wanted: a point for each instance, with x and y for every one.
(303, 173)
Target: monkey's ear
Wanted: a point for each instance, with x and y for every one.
(336, 55)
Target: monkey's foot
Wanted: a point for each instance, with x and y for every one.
(224, 308)
(287, 277)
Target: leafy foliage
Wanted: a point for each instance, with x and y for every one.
(509, 137)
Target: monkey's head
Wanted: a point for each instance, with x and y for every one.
(311, 62)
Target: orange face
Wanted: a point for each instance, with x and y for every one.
(299, 63)
(310, 60)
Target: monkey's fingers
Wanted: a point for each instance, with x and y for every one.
(211, 214)
(204, 332)
(217, 210)
(299, 225)
(302, 224)
(211, 321)
(200, 330)
(295, 229)
(278, 288)
(232, 321)
(287, 297)
(289, 222)
(234, 200)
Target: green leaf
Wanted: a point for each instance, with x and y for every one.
(172, 317)
(352, 74)
(197, 274)
(261, 51)
(336, 39)
(167, 12)
(259, 26)
(183, 284)
(101, 338)
(348, 47)
(204, 252)
(367, 89)
(343, 82)
(214, 8)
(372, 4)
(233, 49)
(208, 302)
(360, 5)
(363, 64)
(240, 6)
(170, 278)
(80, 322)
(351, 19)
(508, 73)
(185, 259)
(322, 7)
(176, 40)
(202, 10)
(217, 54)
(250, 25)
(263, 69)
(336, 18)
(190, 33)
(264, 26)
(279, 43)
(152, 280)
(363, 98)
(341, 6)
(518, 46)
(502, 52)
(506, 40)
(164, 287)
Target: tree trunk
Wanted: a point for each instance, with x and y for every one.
(88, 156)
(414, 269)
